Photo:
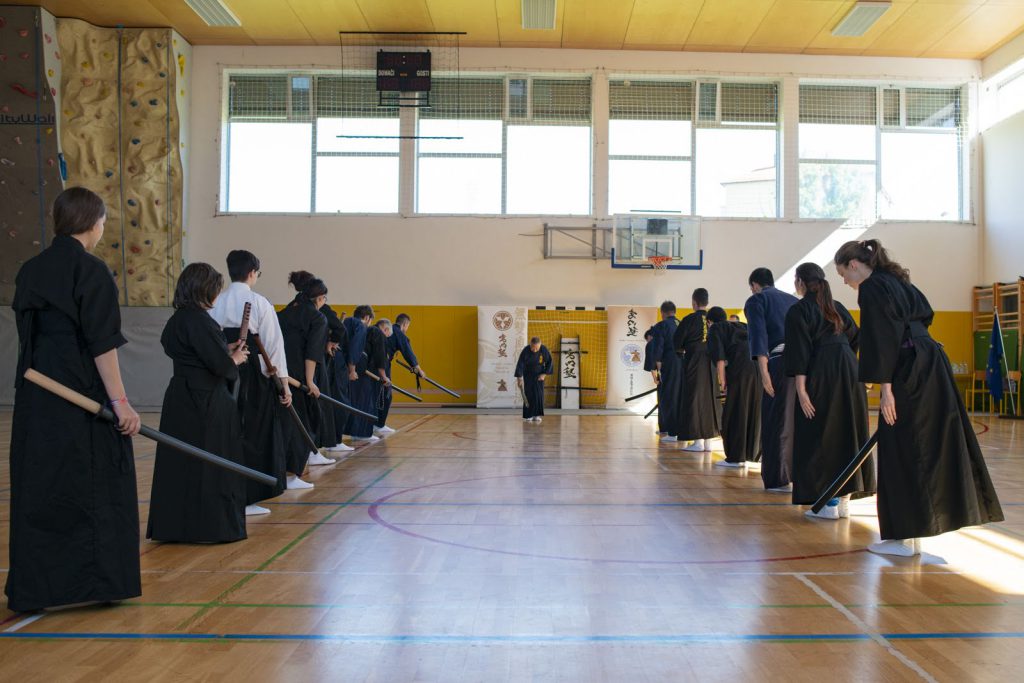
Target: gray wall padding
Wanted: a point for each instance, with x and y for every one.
(144, 367)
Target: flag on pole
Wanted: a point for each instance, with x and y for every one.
(993, 370)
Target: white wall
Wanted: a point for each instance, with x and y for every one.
(1004, 203)
(485, 260)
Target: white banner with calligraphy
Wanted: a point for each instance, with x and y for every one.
(501, 335)
(569, 373)
(626, 345)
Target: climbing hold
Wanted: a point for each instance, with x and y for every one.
(47, 38)
(154, 102)
(53, 92)
(6, 162)
(131, 271)
(87, 82)
(145, 60)
(18, 87)
(86, 65)
(135, 141)
(24, 55)
(131, 169)
(109, 174)
(23, 32)
(149, 242)
(135, 249)
(157, 202)
(162, 74)
(134, 103)
(17, 139)
(57, 55)
(51, 162)
(135, 223)
(131, 202)
(51, 73)
(13, 233)
(3, 57)
(49, 131)
(115, 245)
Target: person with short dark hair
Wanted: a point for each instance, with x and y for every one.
(832, 422)
(729, 350)
(334, 418)
(265, 426)
(532, 368)
(74, 516)
(365, 353)
(698, 407)
(305, 341)
(666, 371)
(932, 476)
(397, 342)
(192, 501)
(765, 311)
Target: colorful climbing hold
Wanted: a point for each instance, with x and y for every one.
(154, 102)
(23, 32)
(108, 174)
(131, 202)
(24, 55)
(6, 162)
(47, 38)
(149, 242)
(162, 74)
(145, 60)
(17, 139)
(131, 271)
(18, 87)
(87, 82)
(134, 103)
(51, 73)
(135, 249)
(115, 245)
(136, 141)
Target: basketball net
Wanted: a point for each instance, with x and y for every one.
(659, 264)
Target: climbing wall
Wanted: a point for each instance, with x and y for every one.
(29, 153)
(121, 136)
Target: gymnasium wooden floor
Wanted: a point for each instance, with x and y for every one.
(479, 548)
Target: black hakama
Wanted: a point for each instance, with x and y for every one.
(265, 424)
(530, 366)
(741, 415)
(824, 445)
(74, 520)
(193, 501)
(368, 394)
(669, 374)
(699, 410)
(777, 416)
(305, 338)
(932, 476)
(398, 342)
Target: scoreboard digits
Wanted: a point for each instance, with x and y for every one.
(403, 71)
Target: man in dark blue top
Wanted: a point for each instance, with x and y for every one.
(766, 325)
(667, 371)
(398, 342)
(532, 369)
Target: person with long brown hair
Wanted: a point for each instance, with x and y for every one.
(831, 423)
(74, 520)
(931, 473)
(192, 502)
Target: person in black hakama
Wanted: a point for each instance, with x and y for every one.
(766, 311)
(192, 501)
(532, 368)
(377, 361)
(699, 410)
(832, 421)
(330, 433)
(74, 516)
(334, 418)
(649, 362)
(667, 376)
(398, 342)
(738, 379)
(262, 410)
(932, 476)
(364, 354)
(305, 339)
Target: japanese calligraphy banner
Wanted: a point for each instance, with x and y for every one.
(569, 373)
(626, 375)
(501, 335)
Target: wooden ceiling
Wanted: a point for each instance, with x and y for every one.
(968, 29)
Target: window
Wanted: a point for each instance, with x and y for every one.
(309, 144)
(891, 152)
(724, 165)
(522, 146)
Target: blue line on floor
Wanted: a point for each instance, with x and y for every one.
(512, 639)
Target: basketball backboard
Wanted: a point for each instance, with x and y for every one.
(637, 237)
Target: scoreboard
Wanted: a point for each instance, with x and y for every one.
(403, 71)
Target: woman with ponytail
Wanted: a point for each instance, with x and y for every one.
(304, 330)
(931, 473)
(832, 421)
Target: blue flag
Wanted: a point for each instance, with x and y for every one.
(994, 371)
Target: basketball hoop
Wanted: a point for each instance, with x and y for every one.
(659, 264)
